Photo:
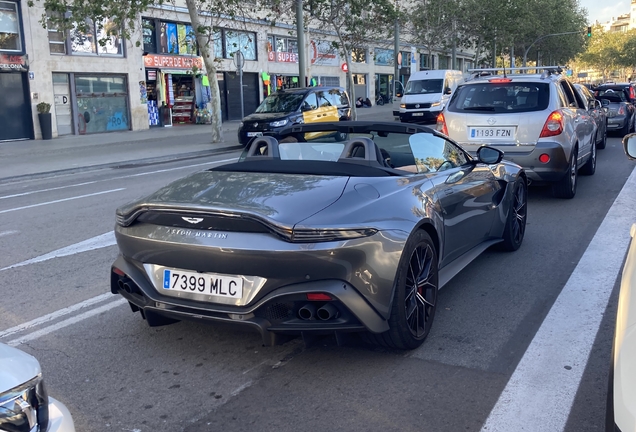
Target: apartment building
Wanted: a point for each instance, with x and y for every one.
(121, 84)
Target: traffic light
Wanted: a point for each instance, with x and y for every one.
(589, 32)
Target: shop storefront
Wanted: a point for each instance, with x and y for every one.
(177, 83)
(15, 103)
(101, 103)
(384, 86)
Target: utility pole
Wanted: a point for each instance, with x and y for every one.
(300, 34)
(396, 48)
(454, 49)
(525, 54)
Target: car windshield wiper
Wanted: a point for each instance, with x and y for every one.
(479, 109)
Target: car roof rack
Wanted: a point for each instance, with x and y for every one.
(547, 71)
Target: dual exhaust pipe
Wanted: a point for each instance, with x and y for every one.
(127, 285)
(325, 313)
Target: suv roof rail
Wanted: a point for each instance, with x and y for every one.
(548, 70)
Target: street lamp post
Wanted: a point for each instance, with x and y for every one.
(239, 61)
(300, 34)
(525, 54)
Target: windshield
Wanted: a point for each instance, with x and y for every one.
(424, 86)
(501, 98)
(280, 103)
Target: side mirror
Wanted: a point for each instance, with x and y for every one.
(629, 145)
(305, 107)
(448, 90)
(490, 156)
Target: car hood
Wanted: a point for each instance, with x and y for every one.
(265, 117)
(284, 199)
(421, 98)
(16, 367)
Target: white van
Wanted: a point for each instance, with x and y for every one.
(427, 93)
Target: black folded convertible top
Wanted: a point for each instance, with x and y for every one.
(308, 167)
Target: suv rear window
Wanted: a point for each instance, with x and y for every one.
(501, 98)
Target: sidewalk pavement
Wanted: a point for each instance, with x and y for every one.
(75, 153)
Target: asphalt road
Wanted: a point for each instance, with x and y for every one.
(116, 374)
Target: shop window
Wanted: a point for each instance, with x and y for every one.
(149, 35)
(424, 62)
(102, 103)
(359, 79)
(329, 81)
(359, 55)
(406, 58)
(443, 62)
(384, 57)
(218, 44)
(90, 38)
(10, 39)
(240, 41)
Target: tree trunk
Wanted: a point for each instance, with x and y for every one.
(351, 85)
(207, 52)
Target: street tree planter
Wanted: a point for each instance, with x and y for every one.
(44, 116)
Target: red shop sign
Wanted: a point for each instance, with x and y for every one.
(172, 62)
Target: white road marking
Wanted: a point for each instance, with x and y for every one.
(541, 391)
(6, 233)
(67, 322)
(61, 200)
(101, 241)
(118, 178)
(55, 315)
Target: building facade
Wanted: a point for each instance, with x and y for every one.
(117, 85)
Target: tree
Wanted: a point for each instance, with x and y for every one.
(354, 23)
(205, 16)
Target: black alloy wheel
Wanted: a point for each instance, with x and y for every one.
(414, 296)
(421, 288)
(515, 228)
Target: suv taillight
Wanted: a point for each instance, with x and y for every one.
(441, 124)
(632, 94)
(553, 125)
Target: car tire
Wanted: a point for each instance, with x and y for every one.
(414, 297)
(515, 228)
(566, 187)
(603, 143)
(590, 166)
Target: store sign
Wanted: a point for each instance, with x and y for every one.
(172, 62)
(152, 75)
(282, 57)
(13, 63)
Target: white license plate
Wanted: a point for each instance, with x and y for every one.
(418, 114)
(254, 134)
(491, 133)
(203, 283)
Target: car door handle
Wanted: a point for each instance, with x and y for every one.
(448, 191)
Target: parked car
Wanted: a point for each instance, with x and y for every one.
(24, 402)
(427, 93)
(598, 113)
(620, 115)
(293, 107)
(320, 236)
(621, 393)
(538, 120)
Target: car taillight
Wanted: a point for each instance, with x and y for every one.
(632, 94)
(553, 125)
(621, 110)
(441, 124)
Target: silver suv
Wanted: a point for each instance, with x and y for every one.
(538, 120)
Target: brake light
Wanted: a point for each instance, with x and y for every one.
(632, 94)
(553, 125)
(318, 297)
(441, 124)
(621, 110)
(500, 80)
(118, 272)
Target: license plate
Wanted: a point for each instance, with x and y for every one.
(417, 114)
(203, 283)
(254, 134)
(491, 133)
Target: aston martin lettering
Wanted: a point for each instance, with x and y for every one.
(196, 233)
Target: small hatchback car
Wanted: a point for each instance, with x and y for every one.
(295, 106)
(538, 120)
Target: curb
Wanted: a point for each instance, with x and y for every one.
(122, 164)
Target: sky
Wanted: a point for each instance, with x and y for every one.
(603, 10)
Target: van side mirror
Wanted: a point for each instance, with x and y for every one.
(448, 90)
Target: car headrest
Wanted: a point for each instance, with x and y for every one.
(265, 147)
(361, 151)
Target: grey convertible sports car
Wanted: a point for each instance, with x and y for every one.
(330, 228)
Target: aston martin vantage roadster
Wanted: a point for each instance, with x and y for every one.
(326, 228)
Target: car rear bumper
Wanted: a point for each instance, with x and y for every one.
(537, 171)
(419, 116)
(618, 122)
(275, 314)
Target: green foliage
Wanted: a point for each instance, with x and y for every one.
(43, 107)
(609, 51)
